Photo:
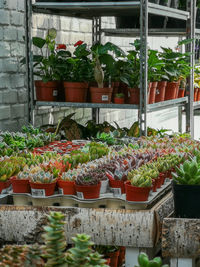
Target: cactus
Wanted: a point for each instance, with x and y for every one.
(188, 173)
(55, 241)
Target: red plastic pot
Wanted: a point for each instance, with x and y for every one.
(181, 92)
(121, 257)
(39, 189)
(113, 258)
(160, 91)
(198, 95)
(152, 92)
(134, 193)
(46, 91)
(107, 261)
(117, 184)
(101, 95)
(4, 186)
(88, 191)
(20, 185)
(162, 178)
(154, 185)
(75, 91)
(119, 100)
(134, 96)
(67, 187)
(123, 88)
(171, 90)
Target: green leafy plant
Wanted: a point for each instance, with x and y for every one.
(119, 95)
(144, 261)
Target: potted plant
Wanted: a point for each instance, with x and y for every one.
(42, 183)
(87, 186)
(119, 98)
(20, 182)
(111, 252)
(66, 182)
(143, 260)
(101, 57)
(77, 72)
(186, 189)
(46, 67)
(8, 168)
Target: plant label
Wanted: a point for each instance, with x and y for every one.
(104, 97)
(38, 192)
(55, 92)
(60, 191)
(116, 191)
(80, 195)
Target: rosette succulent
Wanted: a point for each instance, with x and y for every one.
(42, 177)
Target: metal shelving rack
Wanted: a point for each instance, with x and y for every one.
(94, 11)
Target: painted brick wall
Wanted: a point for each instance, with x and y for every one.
(13, 93)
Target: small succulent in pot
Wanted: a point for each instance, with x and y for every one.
(87, 179)
(119, 95)
(70, 175)
(42, 177)
(24, 175)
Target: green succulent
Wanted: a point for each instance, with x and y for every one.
(144, 261)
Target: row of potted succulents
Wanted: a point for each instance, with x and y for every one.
(109, 72)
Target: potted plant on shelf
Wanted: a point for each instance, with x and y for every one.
(66, 182)
(20, 182)
(42, 183)
(76, 73)
(46, 67)
(110, 252)
(119, 98)
(87, 186)
(101, 57)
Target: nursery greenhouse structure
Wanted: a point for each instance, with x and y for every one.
(99, 133)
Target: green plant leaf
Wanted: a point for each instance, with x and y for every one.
(38, 42)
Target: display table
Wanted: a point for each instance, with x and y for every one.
(181, 241)
(135, 229)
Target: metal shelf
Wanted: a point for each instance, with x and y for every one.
(96, 9)
(150, 108)
(196, 105)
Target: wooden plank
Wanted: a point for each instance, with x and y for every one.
(181, 238)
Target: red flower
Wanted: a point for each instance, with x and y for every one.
(78, 43)
(61, 46)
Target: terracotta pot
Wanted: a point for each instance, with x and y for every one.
(171, 90)
(160, 91)
(101, 95)
(154, 185)
(195, 93)
(198, 95)
(152, 92)
(66, 187)
(181, 92)
(46, 91)
(88, 191)
(113, 258)
(121, 257)
(107, 261)
(4, 186)
(134, 96)
(75, 91)
(38, 189)
(123, 88)
(117, 184)
(119, 100)
(134, 193)
(20, 185)
(162, 178)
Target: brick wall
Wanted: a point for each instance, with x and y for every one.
(13, 93)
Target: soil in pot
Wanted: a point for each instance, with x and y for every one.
(101, 95)
(134, 193)
(46, 91)
(88, 191)
(134, 96)
(186, 200)
(66, 187)
(171, 90)
(75, 91)
(160, 91)
(20, 185)
(38, 189)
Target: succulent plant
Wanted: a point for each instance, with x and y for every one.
(188, 173)
(144, 261)
(55, 241)
(42, 177)
(87, 179)
(70, 175)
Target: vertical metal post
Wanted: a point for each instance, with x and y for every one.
(191, 6)
(29, 60)
(143, 66)
(180, 124)
(96, 37)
